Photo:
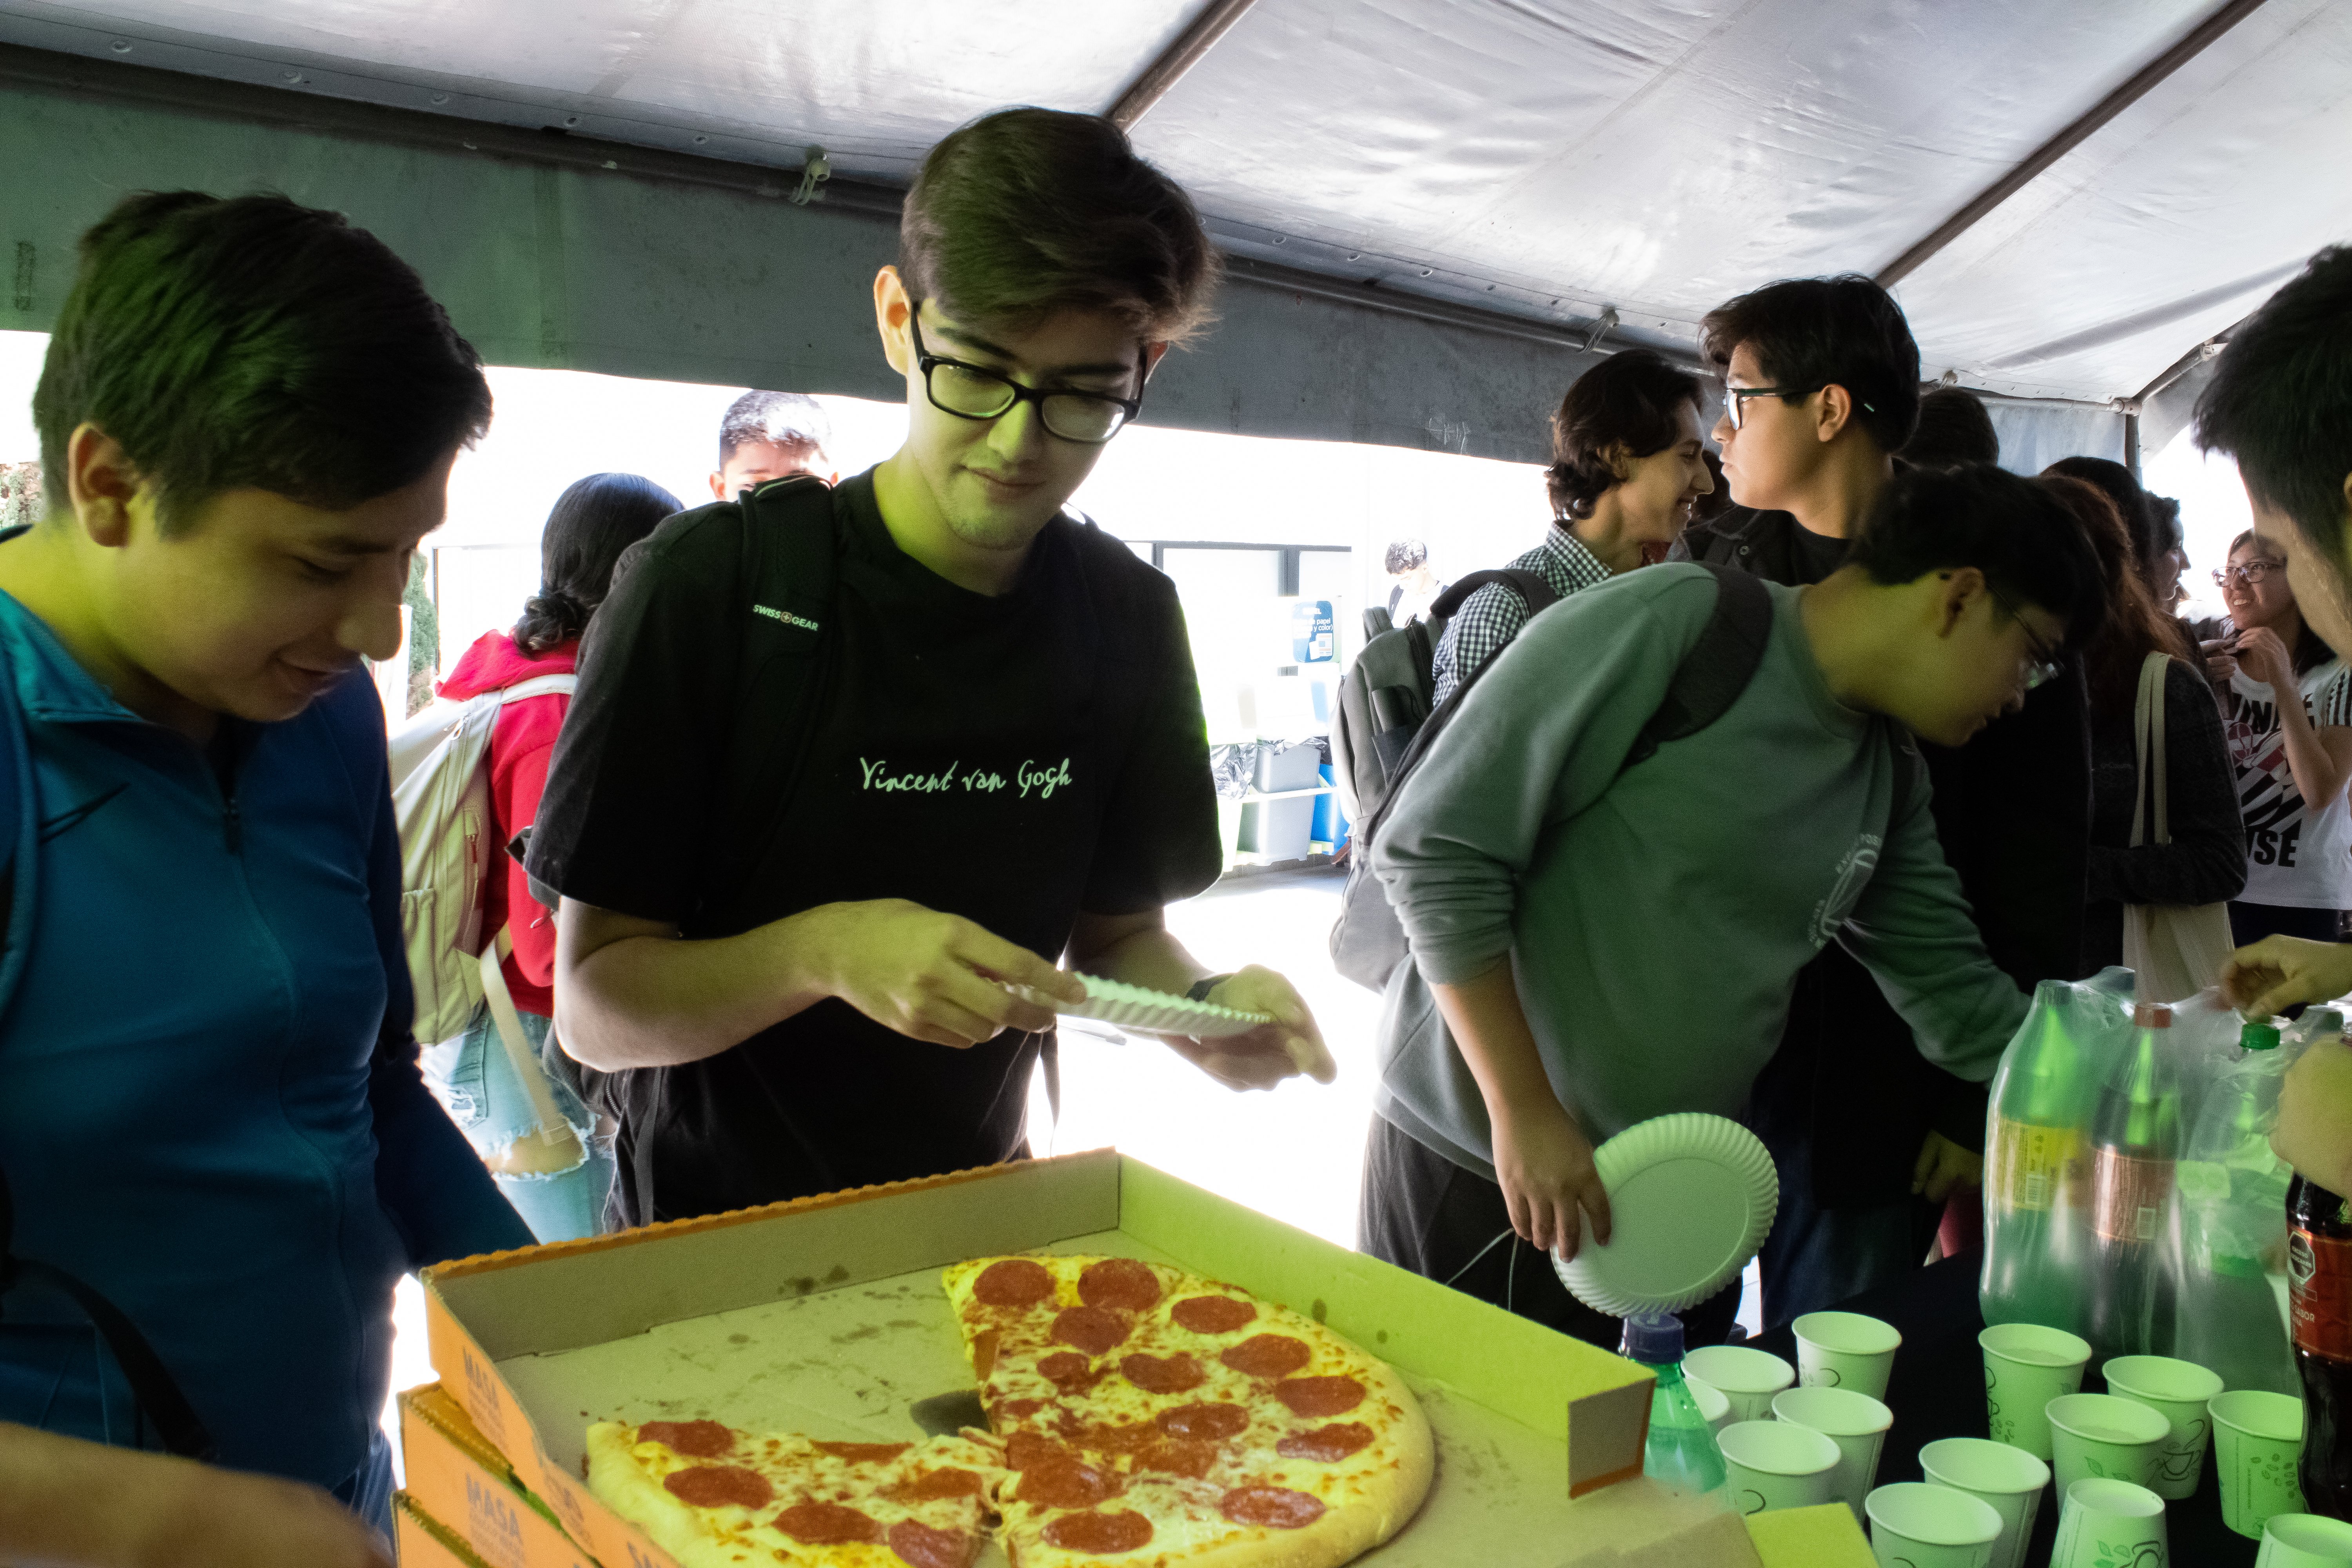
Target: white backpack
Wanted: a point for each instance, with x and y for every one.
(441, 804)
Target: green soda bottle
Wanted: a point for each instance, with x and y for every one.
(1681, 1451)
(2233, 1214)
(2034, 1166)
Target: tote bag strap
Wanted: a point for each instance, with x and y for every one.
(2147, 738)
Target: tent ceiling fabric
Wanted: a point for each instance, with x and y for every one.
(1546, 157)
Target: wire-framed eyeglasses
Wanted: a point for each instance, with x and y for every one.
(976, 392)
(2042, 662)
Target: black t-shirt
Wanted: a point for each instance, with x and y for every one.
(1013, 759)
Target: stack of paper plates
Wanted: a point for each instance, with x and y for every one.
(1148, 1012)
(1691, 1198)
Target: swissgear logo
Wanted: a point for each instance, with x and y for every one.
(786, 617)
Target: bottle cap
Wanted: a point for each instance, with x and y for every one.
(2258, 1038)
(1655, 1338)
(2151, 1015)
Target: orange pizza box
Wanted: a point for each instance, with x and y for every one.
(1823, 1537)
(454, 1474)
(825, 1316)
(422, 1540)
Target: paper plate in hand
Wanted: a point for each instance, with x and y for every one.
(1691, 1198)
(1148, 1012)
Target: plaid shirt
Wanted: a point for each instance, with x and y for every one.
(1494, 614)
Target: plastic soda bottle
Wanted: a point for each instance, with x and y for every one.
(2033, 1166)
(2319, 1283)
(2233, 1211)
(2135, 1138)
(1682, 1451)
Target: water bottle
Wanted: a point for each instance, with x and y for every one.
(1682, 1451)
(2233, 1211)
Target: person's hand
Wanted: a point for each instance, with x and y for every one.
(229, 1519)
(1544, 1163)
(1943, 1166)
(932, 976)
(1270, 1053)
(2314, 1112)
(2279, 972)
(2221, 660)
(2264, 658)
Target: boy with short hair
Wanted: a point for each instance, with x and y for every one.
(771, 436)
(1003, 757)
(1599, 939)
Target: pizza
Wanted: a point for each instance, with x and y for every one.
(715, 1497)
(1155, 1419)
(1141, 1417)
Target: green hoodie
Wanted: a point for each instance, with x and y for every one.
(1656, 915)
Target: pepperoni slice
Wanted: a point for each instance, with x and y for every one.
(1014, 1282)
(1066, 1483)
(1068, 1371)
(828, 1524)
(1276, 1505)
(1099, 1533)
(716, 1486)
(1326, 1445)
(1019, 1409)
(1120, 1283)
(1113, 1438)
(864, 1453)
(1320, 1396)
(1268, 1355)
(1026, 1450)
(935, 1486)
(1094, 1329)
(1215, 1422)
(1162, 1374)
(1178, 1457)
(695, 1439)
(1213, 1314)
(920, 1546)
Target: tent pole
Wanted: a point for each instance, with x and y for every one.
(2067, 140)
(1151, 84)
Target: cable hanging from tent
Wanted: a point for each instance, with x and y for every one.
(814, 173)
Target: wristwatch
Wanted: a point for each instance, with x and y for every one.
(1198, 990)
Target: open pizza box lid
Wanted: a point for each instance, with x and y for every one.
(825, 1316)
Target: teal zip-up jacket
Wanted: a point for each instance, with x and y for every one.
(209, 1103)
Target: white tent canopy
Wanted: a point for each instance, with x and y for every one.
(1548, 159)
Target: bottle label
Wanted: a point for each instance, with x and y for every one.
(2029, 1166)
(2319, 1293)
(2128, 1196)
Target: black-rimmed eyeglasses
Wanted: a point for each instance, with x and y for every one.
(2247, 572)
(976, 392)
(1735, 399)
(2043, 661)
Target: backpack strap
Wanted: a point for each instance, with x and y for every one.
(1718, 666)
(1530, 586)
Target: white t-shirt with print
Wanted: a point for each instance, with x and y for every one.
(2291, 859)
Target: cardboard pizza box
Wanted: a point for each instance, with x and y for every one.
(1828, 1536)
(420, 1540)
(826, 1316)
(458, 1478)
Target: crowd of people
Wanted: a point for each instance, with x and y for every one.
(1832, 714)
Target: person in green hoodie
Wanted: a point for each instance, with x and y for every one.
(1597, 943)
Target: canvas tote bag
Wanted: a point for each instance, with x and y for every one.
(2177, 950)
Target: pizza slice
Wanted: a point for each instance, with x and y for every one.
(1154, 1417)
(715, 1497)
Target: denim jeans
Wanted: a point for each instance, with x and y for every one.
(1816, 1258)
(475, 1080)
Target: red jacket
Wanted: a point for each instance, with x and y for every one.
(520, 749)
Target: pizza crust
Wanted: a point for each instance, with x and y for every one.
(615, 1476)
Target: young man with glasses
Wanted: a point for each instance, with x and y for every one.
(1598, 940)
(1003, 761)
(1821, 387)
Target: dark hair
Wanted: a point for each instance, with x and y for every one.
(2281, 402)
(1028, 211)
(592, 523)
(1953, 428)
(1629, 400)
(2134, 627)
(1811, 333)
(781, 419)
(2117, 483)
(2311, 650)
(2166, 510)
(1404, 555)
(2030, 547)
(252, 342)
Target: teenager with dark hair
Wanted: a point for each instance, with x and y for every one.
(558, 1195)
(1414, 585)
(2206, 861)
(2171, 557)
(982, 750)
(1627, 468)
(1953, 429)
(1533, 864)
(2150, 545)
(771, 436)
(1822, 386)
(210, 1109)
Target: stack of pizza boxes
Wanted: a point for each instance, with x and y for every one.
(827, 1316)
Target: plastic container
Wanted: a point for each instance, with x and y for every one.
(2035, 1238)
(2233, 1222)
(2136, 1142)
(1682, 1452)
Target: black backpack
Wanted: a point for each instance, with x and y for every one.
(1368, 941)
